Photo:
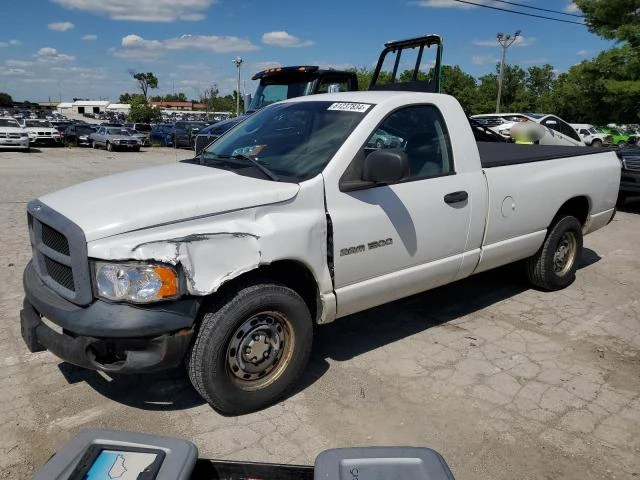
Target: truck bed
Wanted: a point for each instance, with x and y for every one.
(501, 154)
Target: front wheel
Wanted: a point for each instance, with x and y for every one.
(596, 144)
(109, 147)
(251, 348)
(554, 266)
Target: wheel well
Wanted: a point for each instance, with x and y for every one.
(290, 273)
(576, 207)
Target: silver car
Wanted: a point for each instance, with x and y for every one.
(144, 138)
(114, 138)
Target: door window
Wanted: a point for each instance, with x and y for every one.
(420, 131)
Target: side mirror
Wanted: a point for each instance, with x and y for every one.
(385, 166)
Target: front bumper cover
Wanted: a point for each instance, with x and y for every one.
(111, 337)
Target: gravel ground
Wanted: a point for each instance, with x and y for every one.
(506, 382)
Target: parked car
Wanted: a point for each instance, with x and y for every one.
(161, 133)
(78, 134)
(630, 177)
(620, 138)
(184, 133)
(592, 137)
(114, 138)
(42, 132)
(383, 139)
(12, 135)
(557, 131)
(207, 135)
(142, 137)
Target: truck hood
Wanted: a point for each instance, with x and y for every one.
(154, 196)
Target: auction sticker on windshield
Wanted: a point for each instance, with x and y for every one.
(350, 107)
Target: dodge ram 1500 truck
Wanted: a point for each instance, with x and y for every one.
(296, 218)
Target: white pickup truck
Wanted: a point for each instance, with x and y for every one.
(293, 218)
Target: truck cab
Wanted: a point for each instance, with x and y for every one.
(281, 83)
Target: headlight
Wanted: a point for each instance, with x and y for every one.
(116, 141)
(24, 134)
(134, 282)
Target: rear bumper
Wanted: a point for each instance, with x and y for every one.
(103, 336)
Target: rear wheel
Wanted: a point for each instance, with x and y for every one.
(554, 266)
(251, 348)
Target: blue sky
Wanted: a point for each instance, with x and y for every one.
(85, 48)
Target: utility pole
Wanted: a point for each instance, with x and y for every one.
(505, 42)
(238, 62)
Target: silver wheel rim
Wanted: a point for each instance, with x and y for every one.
(565, 254)
(260, 350)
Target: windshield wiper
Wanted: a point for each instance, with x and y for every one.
(255, 163)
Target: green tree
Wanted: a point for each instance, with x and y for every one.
(170, 97)
(145, 81)
(131, 97)
(208, 97)
(5, 100)
(142, 112)
(459, 84)
(613, 19)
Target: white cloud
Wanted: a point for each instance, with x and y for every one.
(521, 41)
(483, 60)
(10, 71)
(10, 43)
(60, 26)
(18, 63)
(142, 10)
(583, 53)
(81, 72)
(51, 55)
(90, 37)
(284, 39)
(134, 47)
(571, 8)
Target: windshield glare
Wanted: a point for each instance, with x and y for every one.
(38, 123)
(118, 131)
(294, 140)
(266, 94)
(7, 122)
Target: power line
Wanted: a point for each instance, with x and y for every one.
(541, 9)
(519, 13)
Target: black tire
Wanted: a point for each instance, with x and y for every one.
(596, 143)
(94, 145)
(553, 267)
(622, 145)
(109, 147)
(254, 316)
(136, 149)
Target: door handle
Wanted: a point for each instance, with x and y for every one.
(456, 197)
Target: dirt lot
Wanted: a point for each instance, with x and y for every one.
(506, 382)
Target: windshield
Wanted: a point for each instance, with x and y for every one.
(292, 140)
(117, 131)
(7, 122)
(38, 123)
(592, 131)
(85, 130)
(266, 94)
(143, 127)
